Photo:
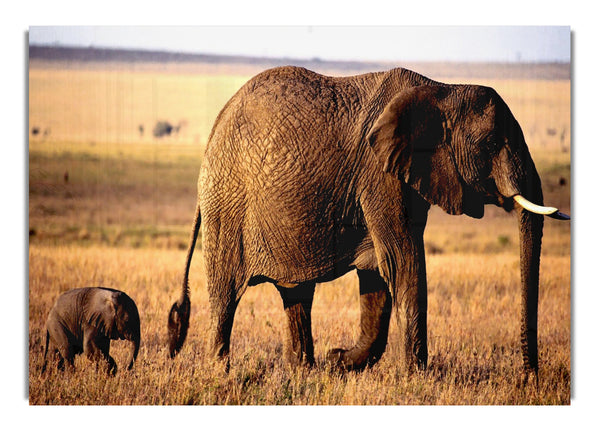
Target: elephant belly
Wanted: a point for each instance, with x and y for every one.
(292, 250)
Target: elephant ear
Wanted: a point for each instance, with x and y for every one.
(103, 314)
(409, 138)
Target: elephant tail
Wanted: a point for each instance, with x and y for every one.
(179, 316)
(46, 352)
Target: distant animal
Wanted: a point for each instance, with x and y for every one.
(307, 177)
(84, 320)
(162, 128)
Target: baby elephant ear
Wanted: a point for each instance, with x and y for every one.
(408, 139)
(102, 314)
(110, 316)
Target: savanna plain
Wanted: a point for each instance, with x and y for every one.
(110, 204)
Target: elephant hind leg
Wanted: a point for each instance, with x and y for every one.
(375, 312)
(46, 352)
(223, 304)
(226, 280)
(297, 302)
(54, 356)
(64, 349)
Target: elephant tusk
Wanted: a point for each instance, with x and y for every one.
(560, 216)
(533, 207)
(548, 211)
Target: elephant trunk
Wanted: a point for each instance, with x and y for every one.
(530, 230)
(133, 334)
(134, 350)
(531, 223)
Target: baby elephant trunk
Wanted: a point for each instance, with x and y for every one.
(134, 349)
(132, 334)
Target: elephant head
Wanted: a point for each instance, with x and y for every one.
(460, 147)
(127, 323)
(115, 313)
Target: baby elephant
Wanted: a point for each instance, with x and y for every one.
(85, 320)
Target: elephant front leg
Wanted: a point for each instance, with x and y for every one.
(297, 302)
(375, 311)
(97, 349)
(412, 309)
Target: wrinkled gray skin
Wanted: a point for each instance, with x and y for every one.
(307, 177)
(85, 320)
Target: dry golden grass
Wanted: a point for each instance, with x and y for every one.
(123, 220)
(473, 337)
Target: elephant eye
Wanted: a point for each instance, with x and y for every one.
(491, 141)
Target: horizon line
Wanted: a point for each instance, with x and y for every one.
(61, 45)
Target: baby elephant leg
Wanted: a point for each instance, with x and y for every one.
(63, 350)
(375, 312)
(96, 348)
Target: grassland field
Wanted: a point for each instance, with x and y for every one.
(122, 219)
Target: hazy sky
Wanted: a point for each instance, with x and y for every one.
(386, 43)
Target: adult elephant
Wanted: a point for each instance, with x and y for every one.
(307, 177)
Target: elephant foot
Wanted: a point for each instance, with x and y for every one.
(528, 377)
(335, 357)
(348, 360)
(220, 361)
(301, 359)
